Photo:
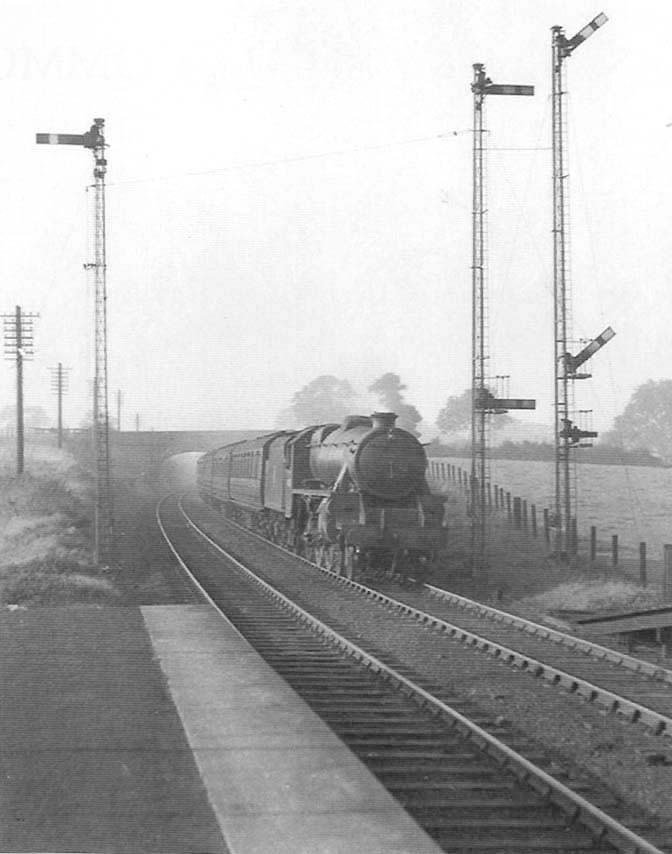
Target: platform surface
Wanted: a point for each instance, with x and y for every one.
(94, 756)
(159, 729)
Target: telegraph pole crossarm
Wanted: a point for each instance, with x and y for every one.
(94, 140)
(481, 408)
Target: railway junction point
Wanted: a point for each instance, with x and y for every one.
(159, 728)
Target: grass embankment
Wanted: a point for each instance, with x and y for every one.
(523, 575)
(45, 533)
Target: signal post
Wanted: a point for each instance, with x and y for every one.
(568, 435)
(94, 140)
(484, 404)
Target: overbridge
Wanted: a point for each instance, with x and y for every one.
(143, 453)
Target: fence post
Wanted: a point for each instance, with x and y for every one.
(516, 512)
(508, 504)
(593, 542)
(667, 572)
(573, 538)
(642, 564)
(614, 550)
(489, 495)
(524, 508)
(547, 527)
(496, 497)
(533, 513)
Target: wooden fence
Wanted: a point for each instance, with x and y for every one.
(539, 522)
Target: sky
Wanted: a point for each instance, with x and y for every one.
(289, 195)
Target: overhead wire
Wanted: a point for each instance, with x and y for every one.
(299, 158)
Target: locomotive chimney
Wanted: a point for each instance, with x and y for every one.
(383, 420)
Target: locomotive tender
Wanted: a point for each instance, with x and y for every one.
(349, 496)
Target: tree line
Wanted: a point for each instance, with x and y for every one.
(641, 434)
(329, 399)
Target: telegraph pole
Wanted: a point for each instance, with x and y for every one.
(18, 328)
(94, 140)
(568, 435)
(484, 404)
(59, 385)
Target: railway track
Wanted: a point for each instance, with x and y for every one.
(638, 690)
(470, 782)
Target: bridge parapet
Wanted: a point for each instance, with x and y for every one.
(141, 453)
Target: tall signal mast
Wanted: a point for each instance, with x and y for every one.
(483, 402)
(565, 366)
(94, 140)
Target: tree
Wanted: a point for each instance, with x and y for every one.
(646, 421)
(326, 398)
(389, 390)
(456, 414)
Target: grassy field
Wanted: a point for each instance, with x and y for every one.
(633, 502)
(523, 574)
(45, 532)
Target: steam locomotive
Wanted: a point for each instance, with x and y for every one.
(352, 497)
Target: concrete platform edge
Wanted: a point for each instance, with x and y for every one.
(277, 777)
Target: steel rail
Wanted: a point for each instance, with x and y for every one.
(595, 650)
(635, 712)
(197, 584)
(577, 808)
(658, 723)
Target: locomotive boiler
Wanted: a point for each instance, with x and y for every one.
(351, 496)
(379, 459)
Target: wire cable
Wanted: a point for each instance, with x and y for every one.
(281, 161)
